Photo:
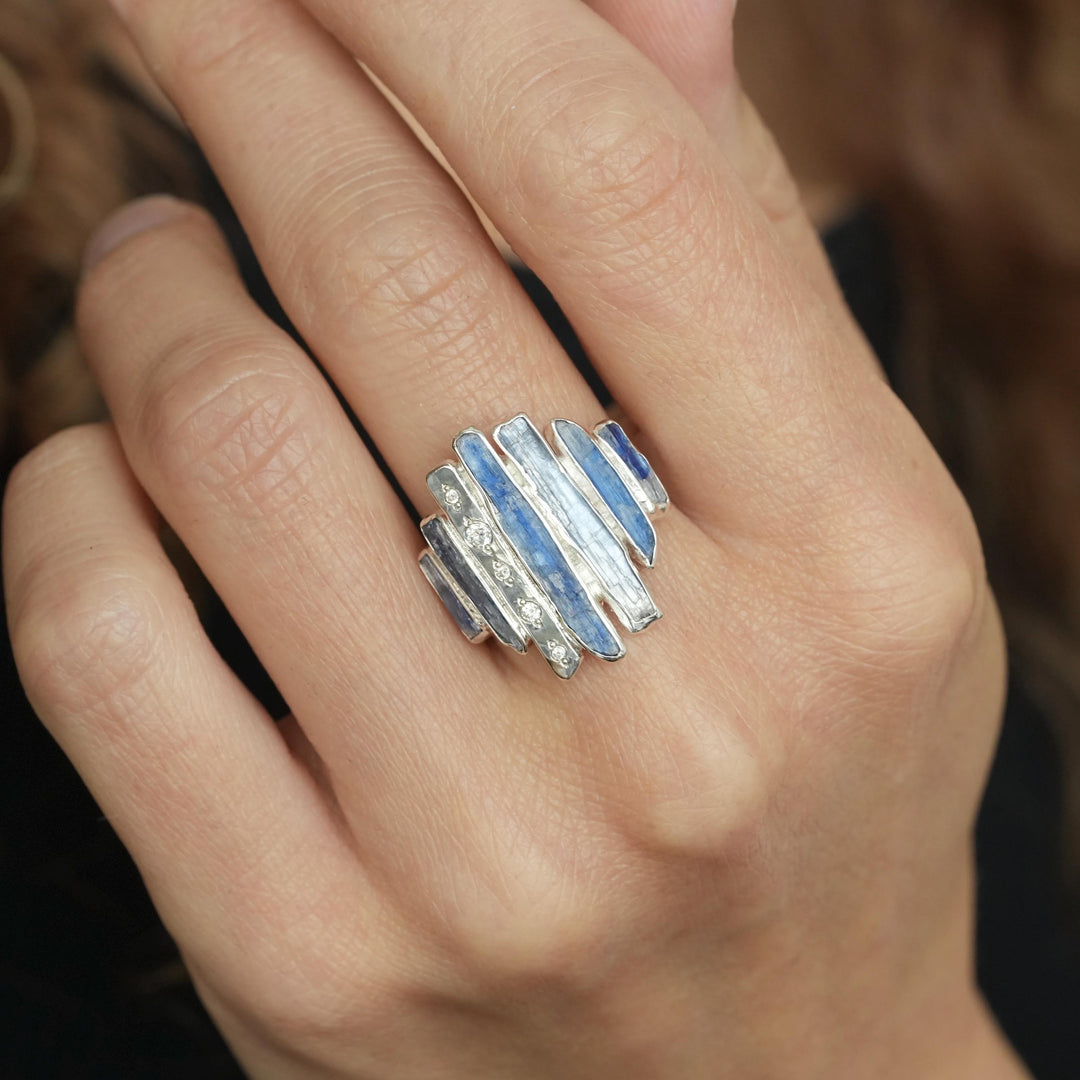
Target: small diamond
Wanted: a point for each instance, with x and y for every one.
(557, 652)
(530, 612)
(478, 535)
(502, 572)
(451, 496)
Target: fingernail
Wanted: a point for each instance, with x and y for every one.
(137, 217)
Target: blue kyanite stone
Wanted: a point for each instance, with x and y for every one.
(610, 487)
(536, 546)
(436, 574)
(437, 534)
(582, 524)
(613, 434)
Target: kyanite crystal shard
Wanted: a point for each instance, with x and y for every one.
(472, 528)
(537, 548)
(461, 569)
(580, 522)
(619, 445)
(609, 485)
(461, 610)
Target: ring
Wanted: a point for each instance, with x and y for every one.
(535, 542)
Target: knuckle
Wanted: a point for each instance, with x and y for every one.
(909, 591)
(405, 280)
(533, 929)
(614, 171)
(307, 1009)
(87, 633)
(238, 421)
(621, 173)
(702, 794)
(944, 600)
(295, 990)
(629, 202)
(305, 1012)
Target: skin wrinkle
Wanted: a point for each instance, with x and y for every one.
(225, 38)
(447, 317)
(333, 202)
(90, 644)
(209, 409)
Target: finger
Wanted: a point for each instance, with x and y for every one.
(606, 182)
(374, 252)
(691, 41)
(242, 445)
(228, 829)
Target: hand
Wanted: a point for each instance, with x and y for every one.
(743, 851)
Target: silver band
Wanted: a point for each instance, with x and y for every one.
(539, 538)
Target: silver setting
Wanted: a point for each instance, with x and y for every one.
(573, 561)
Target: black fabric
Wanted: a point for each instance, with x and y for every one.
(90, 985)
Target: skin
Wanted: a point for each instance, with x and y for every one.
(744, 851)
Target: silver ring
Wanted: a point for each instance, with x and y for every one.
(539, 543)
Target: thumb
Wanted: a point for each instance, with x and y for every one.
(692, 42)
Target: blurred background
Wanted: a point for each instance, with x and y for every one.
(937, 144)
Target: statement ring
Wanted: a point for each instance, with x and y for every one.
(535, 542)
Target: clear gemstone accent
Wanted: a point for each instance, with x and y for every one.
(557, 652)
(530, 612)
(478, 535)
(502, 572)
(453, 496)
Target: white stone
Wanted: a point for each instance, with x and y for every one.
(478, 535)
(530, 612)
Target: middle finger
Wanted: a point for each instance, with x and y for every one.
(374, 252)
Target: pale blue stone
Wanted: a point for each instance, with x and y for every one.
(614, 437)
(537, 547)
(438, 535)
(582, 524)
(436, 574)
(610, 487)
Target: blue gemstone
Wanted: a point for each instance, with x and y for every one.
(610, 487)
(612, 435)
(537, 547)
(584, 526)
(618, 440)
(436, 574)
(437, 534)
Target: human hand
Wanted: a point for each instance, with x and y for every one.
(743, 851)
